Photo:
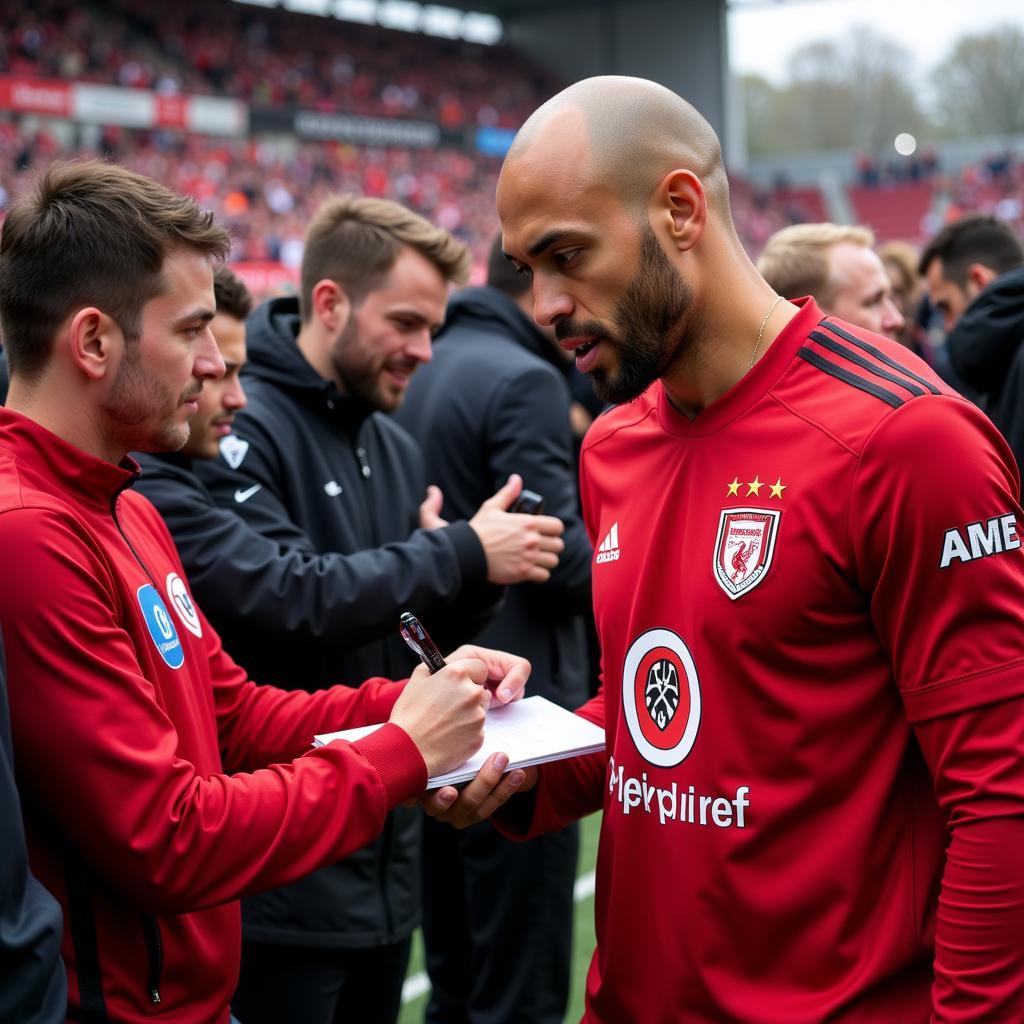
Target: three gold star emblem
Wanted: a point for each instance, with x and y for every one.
(754, 487)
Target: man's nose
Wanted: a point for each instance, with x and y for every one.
(234, 396)
(209, 362)
(421, 346)
(892, 318)
(550, 304)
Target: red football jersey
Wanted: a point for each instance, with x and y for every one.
(785, 588)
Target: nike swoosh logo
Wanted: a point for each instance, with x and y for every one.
(245, 495)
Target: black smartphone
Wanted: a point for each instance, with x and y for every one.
(529, 502)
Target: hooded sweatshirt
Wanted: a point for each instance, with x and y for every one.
(316, 472)
(985, 350)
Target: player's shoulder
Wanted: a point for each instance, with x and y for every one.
(19, 493)
(621, 421)
(848, 381)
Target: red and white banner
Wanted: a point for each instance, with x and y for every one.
(265, 278)
(35, 96)
(127, 108)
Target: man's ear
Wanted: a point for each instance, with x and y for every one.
(95, 342)
(683, 206)
(331, 304)
(979, 277)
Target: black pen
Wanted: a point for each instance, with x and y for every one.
(419, 641)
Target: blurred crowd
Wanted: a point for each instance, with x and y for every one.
(270, 58)
(265, 193)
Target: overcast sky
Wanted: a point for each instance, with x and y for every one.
(763, 35)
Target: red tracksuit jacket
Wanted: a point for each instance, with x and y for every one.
(125, 713)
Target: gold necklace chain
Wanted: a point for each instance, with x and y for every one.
(760, 333)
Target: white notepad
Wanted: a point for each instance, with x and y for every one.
(531, 731)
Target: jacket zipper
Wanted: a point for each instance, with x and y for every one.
(387, 837)
(155, 946)
(120, 530)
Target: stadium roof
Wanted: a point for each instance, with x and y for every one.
(508, 9)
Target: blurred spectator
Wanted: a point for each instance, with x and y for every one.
(837, 266)
(965, 257)
(900, 261)
(972, 270)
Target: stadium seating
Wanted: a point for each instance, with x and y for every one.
(894, 211)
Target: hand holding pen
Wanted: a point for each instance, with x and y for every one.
(443, 708)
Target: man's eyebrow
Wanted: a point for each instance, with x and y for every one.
(204, 315)
(546, 241)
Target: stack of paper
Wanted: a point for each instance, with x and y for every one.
(530, 731)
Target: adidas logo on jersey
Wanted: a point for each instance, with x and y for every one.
(609, 547)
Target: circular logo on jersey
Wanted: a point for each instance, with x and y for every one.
(661, 697)
(181, 602)
(161, 629)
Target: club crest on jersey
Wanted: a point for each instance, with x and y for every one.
(661, 697)
(744, 548)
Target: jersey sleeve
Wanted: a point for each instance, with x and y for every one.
(977, 760)
(101, 755)
(934, 526)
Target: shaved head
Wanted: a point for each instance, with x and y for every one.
(614, 202)
(633, 133)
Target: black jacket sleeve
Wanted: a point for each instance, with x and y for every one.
(1009, 417)
(527, 432)
(33, 986)
(251, 565)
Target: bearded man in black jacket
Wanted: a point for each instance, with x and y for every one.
(496, 398)
(975, 278)
(347, 537)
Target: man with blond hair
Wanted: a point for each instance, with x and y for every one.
(315, 466)
(837, 266)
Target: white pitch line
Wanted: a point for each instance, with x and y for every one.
(418, 985)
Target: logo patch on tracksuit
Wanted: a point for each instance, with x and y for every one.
(181, 601)
(161, 628)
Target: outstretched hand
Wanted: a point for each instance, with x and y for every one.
(479, 798)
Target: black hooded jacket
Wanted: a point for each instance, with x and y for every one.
(986, 348)
(494, 400)
(336, 490)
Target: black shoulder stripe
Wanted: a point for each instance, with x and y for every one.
(847, 377)
(880, 355)
(847, 353)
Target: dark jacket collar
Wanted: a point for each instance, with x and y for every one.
(985, 340)
(487, 309)
(274, 356)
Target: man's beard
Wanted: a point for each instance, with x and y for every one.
(135, 397)
(649, 336)
(361, 380)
